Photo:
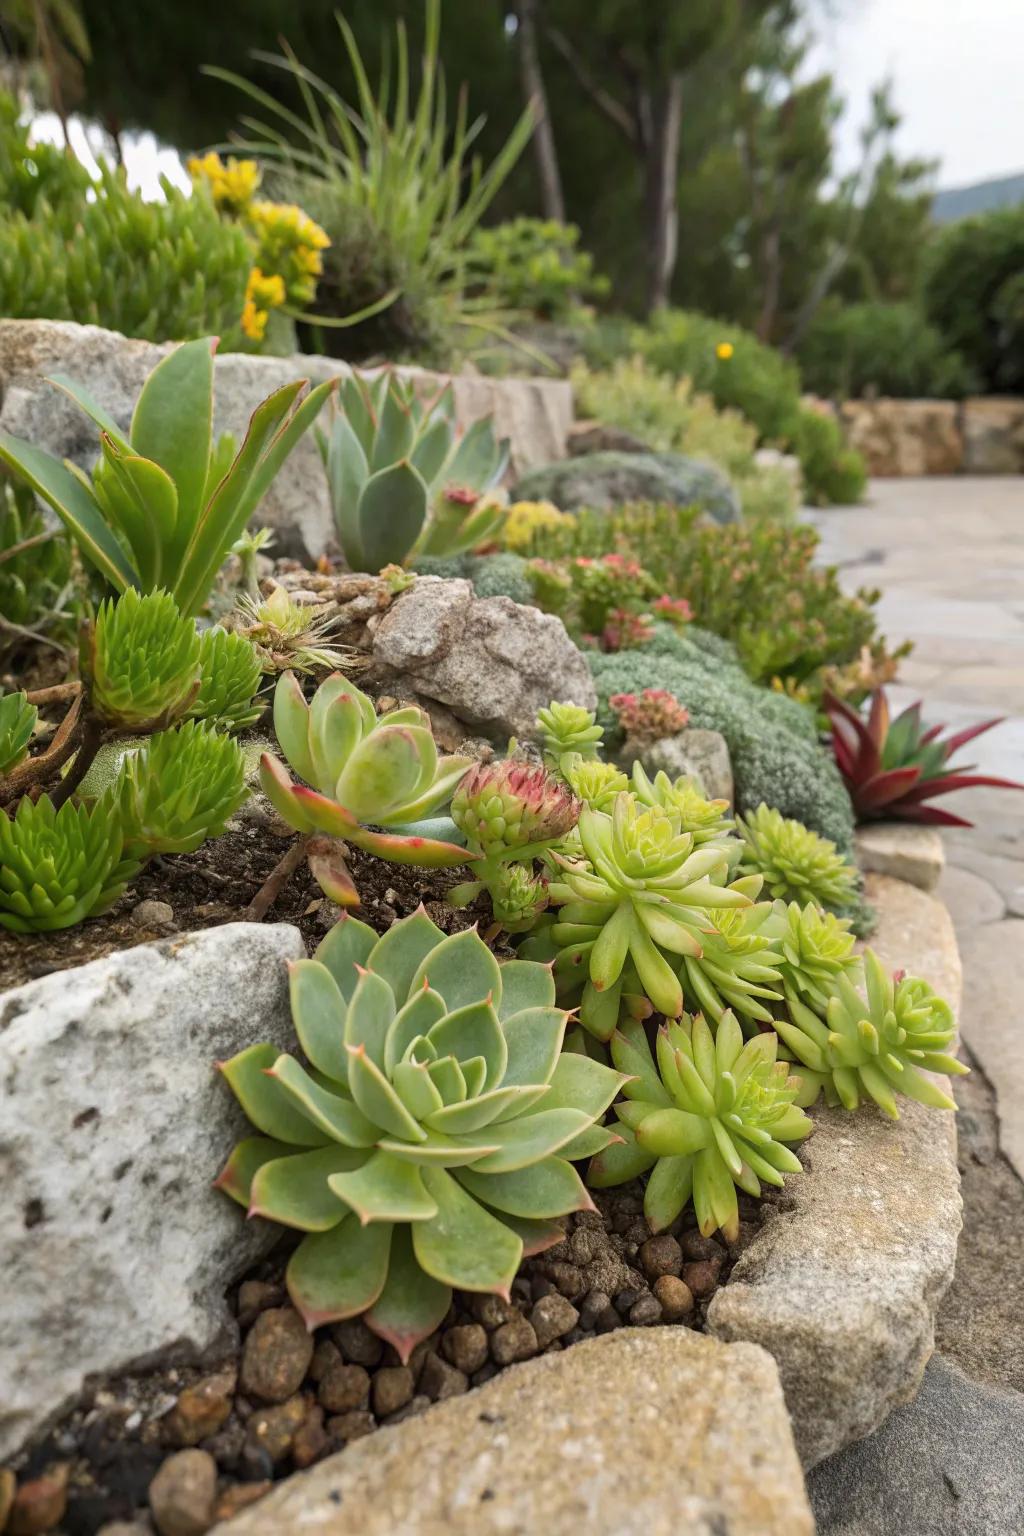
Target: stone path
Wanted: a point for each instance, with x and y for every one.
(949, 558)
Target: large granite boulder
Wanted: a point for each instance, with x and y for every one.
(608, 479)
(114, 1247)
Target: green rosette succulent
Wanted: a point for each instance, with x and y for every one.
(875, 1045)
(713, 1114)
(705, 820)
(796, 863)
(738, 967)
(643, 891)
(428, 1143)
(596, 784)
(815, 949)
(364, 772)
(230, 673)
(178, 790)
(567, 729)
(17, 722)
(140, 661)
(60, 866)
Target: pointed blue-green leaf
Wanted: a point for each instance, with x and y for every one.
(338, 1274)
(246, 1160)
(265, 1101)
(534, 1037)
(632, 1055)
(347, 946)
(377, 1099)
(412, 1082)
(447, 1074)
(173, 424)
(399, 953)
(464, 1245)
(589, 1143)
(412, 1303)
(318, 1013)
(473, 1031)
(294, 1190)
(551, 1187)
(525, 984)
(475, 1073)
(525, 1141)
(414, 1020)
(385, 1188)
(392, 511)
(335, 1117)
(580, 1082)
(463, 970)
(484, 1109)
(619, 1163)
(370, 1015)
(347, 473)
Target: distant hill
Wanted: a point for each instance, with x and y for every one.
(961, 202)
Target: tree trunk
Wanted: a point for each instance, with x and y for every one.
(552, 198)
(661, 169)
(771, 257)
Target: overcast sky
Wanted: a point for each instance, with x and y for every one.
(958, 72)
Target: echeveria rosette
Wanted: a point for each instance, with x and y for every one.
(140, 661)
(568, 729)
(364, 773)
(644, 892)
(230, 673)
(178, 790)
(738, 967)
(427, 1144)
(17, 722)
(705, 820)
(58, 867)
(815, 948)
(711, 1114)
(796, 863)
(874, 1045)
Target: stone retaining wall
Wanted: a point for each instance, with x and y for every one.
(937, 437)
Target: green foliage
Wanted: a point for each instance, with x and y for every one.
(37, 588)
(432, 1147)
(796, 863)
(834, 475)
(178, 790)
(140, 660)
(710, 1114)
(815, 949)
(385, 772)
(705, 820)
(877, 348)
(166, 504)
(30, 173)
(230, 673)
(972, 274)
(875, 1045)
(401, 483)
(59, 866)
(534, 265)
(501, 575)
(17, 722)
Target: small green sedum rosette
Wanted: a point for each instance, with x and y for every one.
(60, 866)
(796, 863)
(427, 1143)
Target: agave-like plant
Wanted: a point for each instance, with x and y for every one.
(141, 661)
(178, 790)
(643, 890)
(363, 773)
(60, 866)
(892, 768)
(712, 1114)
(428, 1143)
(165, 503)
(875, 1045)
(814, 949)
(230, 675)
(17, 722)
(706, 820)
(402, 482)
(797, 864)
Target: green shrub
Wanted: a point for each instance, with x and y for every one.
(534, 265)
(501, 575)
(884, 349)
(30, 172)
(38, 592)
(972, 273)
(834, 475)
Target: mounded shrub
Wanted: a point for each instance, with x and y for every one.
(973, 293)
(884, 349)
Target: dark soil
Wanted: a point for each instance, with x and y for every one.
(280, 1401)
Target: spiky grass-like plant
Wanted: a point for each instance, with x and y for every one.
(60, 866)
(711, 1114)
(796, 863)
(428, 1145)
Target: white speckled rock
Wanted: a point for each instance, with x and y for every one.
(842, 1282)
(699, 755)
(114, 1247)
(903, 850)
(642, 1432)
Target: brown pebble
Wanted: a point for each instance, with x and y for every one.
(344, 1387)
(39, 1505)
(273, 1429)
(581, 1246)
(439, 1379)
(594, 1304)
(239, 1497)
(409, 1411)
(310, 1439)
(275, 1356)
(645, 1311)
(351, 1426)
(181, 1494)
(357, 1343)
(254, 1297)
(551, 1317)
(325, 1355)
(675, 1297)
(661, 1255)
(702, 1275)
(201, 1409)
(696, 1246)
(392, 1388)
(466, 1346)
(514, 1340)
(491, 1311)
(568, 1280)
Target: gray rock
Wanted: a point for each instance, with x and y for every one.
(991, 1023)
(540, 1449)
(695, 754)
(903, 850)
(114, 1247)
(947, 1464)
(843, 1280)
(535, 414)
(598, 437)
(491, 661)
(605, 480)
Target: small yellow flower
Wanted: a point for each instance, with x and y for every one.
(254, 321)
(232, 185)
(724, 350)
(266, 292)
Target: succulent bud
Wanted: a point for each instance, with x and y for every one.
(59, 866)
(141, 661)
(650, 716)
(179, 789)
(231, 674)
(796, 863)
(568, 728)
(512, 804)
(597, 784)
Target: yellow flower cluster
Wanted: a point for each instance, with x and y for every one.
(528, 518)
(262, 294)
(288, 241)
(232, 186)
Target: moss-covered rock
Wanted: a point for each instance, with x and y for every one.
(501, 575)
(605, 480)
